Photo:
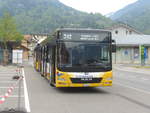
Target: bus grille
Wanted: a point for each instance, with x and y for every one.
(86, 80)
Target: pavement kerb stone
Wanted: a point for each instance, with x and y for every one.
(131, 69)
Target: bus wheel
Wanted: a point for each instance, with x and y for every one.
(52, 85)
(42, 75)
(51, 82)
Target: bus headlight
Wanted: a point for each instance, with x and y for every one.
(59, 74)
(110, 78)
(61, 79)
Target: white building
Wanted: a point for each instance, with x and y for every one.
(122, 30)
(128, 41)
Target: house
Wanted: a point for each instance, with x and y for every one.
(28, 44)
(25, 46)
(12, 45)
(122, 30)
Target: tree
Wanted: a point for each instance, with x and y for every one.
(8, 33)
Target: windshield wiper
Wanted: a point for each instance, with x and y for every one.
(99, 64)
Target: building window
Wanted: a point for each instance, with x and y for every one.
(136, 53)
(116, 31)
(126, 32)
(126, 52)
(146, 52)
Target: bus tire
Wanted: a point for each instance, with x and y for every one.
(51, 84)
(42, 75)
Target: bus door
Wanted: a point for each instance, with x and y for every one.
(45, 62)
(42, 61)
(48, 63)
(52, 64)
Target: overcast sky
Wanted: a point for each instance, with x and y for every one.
(101, 6)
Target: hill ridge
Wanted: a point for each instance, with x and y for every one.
(44, 16)
(136, 14)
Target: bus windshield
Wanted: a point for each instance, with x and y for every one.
(83, 54)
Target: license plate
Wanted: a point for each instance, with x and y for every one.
(86, 79)
(86, 85)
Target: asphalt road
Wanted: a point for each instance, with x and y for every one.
(130, 93)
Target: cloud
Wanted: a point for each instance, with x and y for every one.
(100, 6)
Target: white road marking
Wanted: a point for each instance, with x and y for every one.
(8, 87)
(134, 71)
(27, 104)
(7, 76)
(133, 76)
(145, 79)
(8, 73)
(15, 96)
(4, 77)
(7, 81)
(139, 90)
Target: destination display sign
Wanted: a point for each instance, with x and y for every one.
(84, 36)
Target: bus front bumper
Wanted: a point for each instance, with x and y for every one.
(102, 84)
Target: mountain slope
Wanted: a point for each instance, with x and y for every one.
(136, 15)
(43, 16)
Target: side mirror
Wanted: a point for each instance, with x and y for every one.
(113, 41)
(113, 46)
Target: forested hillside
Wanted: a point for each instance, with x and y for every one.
(136, 15)
(44, 16)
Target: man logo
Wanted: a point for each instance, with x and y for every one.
(86, 73)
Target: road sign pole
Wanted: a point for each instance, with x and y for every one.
(142, 57)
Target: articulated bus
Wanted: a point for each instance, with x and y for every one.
(76, 58)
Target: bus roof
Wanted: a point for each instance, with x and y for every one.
(82, 29)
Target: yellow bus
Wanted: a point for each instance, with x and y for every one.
(76, 58)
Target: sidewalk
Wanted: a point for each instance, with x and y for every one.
(131, 68)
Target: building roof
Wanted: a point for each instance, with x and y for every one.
(133, 40)
(124, 26)
(27, 38)
(25, 47)
(40, 34)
